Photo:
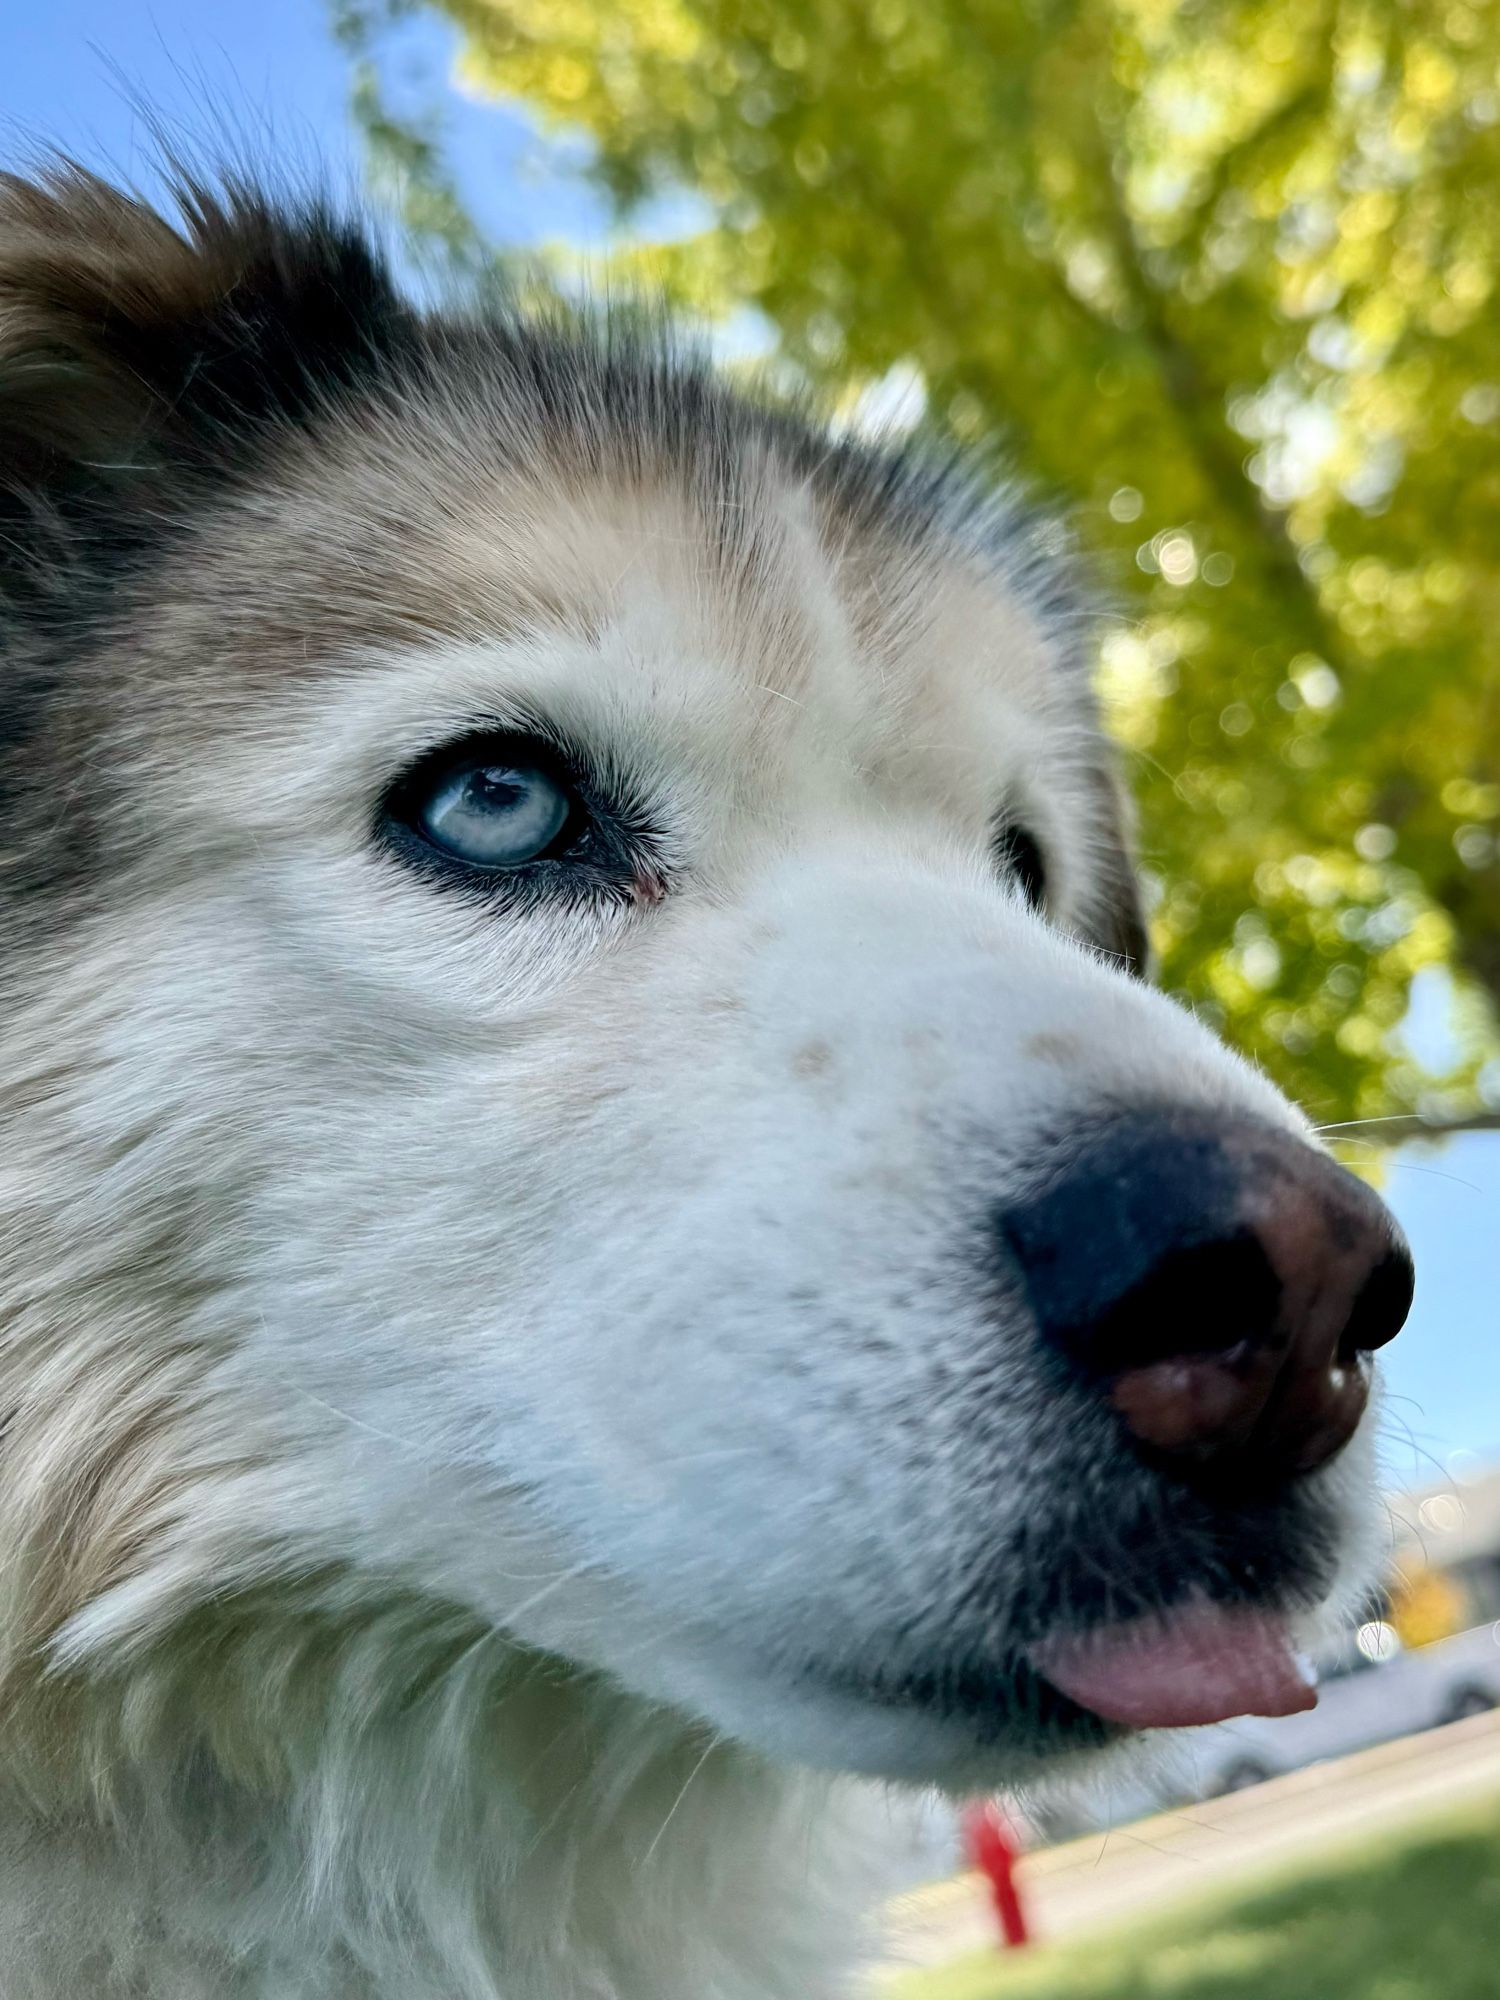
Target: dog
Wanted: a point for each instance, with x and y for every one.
(601, 1230)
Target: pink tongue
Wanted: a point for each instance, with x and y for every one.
(1205, 1664)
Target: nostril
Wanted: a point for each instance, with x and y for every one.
(1192, 1352)
(1217, 1298)
(1379, 1312)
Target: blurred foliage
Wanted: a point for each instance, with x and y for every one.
(1220, 274)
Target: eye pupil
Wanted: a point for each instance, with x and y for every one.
(1018, 854)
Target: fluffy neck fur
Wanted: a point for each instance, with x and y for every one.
(314, 1788)
(397, 1806)
(215, 1786)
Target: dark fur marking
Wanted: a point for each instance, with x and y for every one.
(140, 363)
(1117, 922)
(141, 368)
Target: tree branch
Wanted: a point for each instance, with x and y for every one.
(1238, 156)
(1200, 410)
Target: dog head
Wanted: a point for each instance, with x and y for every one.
(574, 1041)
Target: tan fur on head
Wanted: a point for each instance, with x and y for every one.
(504, 1372)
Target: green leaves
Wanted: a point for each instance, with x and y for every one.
(1220, 275)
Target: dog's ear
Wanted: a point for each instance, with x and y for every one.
(1116, 915)
(141, 358)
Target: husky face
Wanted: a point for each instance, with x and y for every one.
(557, 918)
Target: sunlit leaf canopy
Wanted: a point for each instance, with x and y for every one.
(1219, 276)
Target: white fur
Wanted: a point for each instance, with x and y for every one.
(460, 1366)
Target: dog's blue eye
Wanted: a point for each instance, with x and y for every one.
(491, 814)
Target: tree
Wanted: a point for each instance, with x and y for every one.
(1218, 273)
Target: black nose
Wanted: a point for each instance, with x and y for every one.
(1221, 1282)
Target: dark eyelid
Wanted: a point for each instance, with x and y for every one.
(1018, 854)
(611, 849)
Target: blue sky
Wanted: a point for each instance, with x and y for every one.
(72, 74)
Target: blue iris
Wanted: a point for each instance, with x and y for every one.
(495, 815)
